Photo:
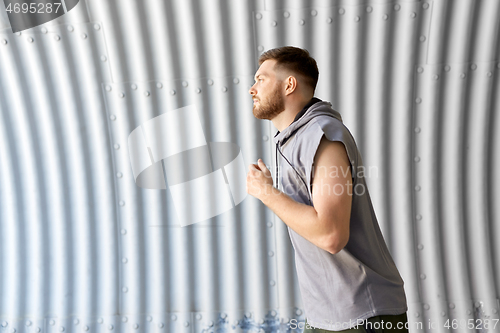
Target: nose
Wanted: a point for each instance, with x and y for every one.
(252, 90)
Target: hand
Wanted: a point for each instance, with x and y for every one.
(259, 180)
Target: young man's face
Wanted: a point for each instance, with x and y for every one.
(267, 92)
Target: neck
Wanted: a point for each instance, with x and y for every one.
(285, 118)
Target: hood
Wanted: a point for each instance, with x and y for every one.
(322, 108)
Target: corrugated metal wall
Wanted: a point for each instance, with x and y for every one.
(82, 247)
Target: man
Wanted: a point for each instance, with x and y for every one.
(347, 277)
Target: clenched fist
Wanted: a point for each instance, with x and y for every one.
(259, 180)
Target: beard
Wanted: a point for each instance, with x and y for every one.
(274, 105)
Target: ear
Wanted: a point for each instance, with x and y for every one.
(290, 85)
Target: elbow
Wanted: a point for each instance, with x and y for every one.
(337, 241)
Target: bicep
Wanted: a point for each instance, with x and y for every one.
(332, 185)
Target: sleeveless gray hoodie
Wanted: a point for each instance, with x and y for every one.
(360, 281)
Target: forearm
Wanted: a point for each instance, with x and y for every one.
(301, 218)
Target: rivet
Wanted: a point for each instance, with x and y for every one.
(273, 313)
(121, 203)
(28, 323)
(451, 305)
(426, 306)
(172, 92)
(413, 15)
(248, 315)
(108, 88)
(385, 17)
(52, 322)
(447, 68)
(76, 321)
(70, 28)
(258, 16)
(462, 76)
(417, 314)
(124, 260)
(38, 330)
(357, 19)
(236, 80)
(473, 67)
(103, 58)
(417, 188)
(84, 36)
(224, 89)
(269, 224)
(133, 86)
(477, 304)
(265, 138)
(314, 12)
(44, 30)
(4, 42)
(397, 7)
(185, 83)
(302, 22)
(422, 276)
(100, 320)
(61, 329)
(261, 321)
(329, 20)
(341, 11)
(420, 247)
(4, 324)
(469, 312)
(116, 146)
(13, 330)
(418, 217)
(223, 315)
(160, 325)
(260, 48)
(422, 38)
(436, 77)
(369, 9)
(186, 324)
(97, 26)
(147, 93)
(123, 231)
(149, 318)
(112, 117)
(110, 327)
(274, 23)
(443, 313)
(56, 37)
(270, 253)
(494, 310)
(272, 283)
(417, 129)
(298, 312)
(211, 323)
(198, 90)
(286, 14)
(136, 326)
(124, 289)
(425, 5)
(30, 39)
(417, 159)
(210, 82)
(121, 95)
(159, 85)
(418, 100)
(490, 74)
(173, 317)
(86, 328)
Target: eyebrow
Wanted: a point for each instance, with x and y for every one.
(255, 78)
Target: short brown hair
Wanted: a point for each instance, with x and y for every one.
(296, 60)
